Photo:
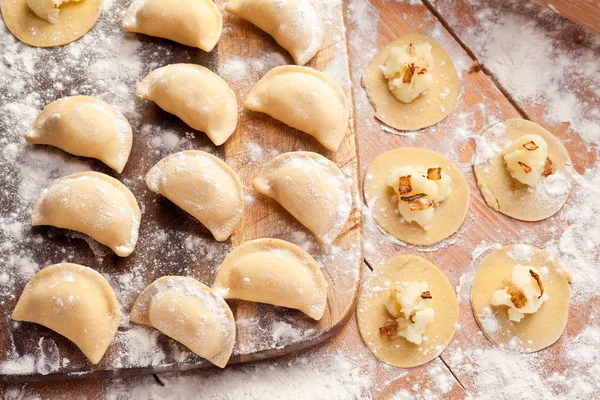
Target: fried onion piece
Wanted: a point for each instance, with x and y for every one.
(531, 146)
(419, 204)
(408, 74)
(390, 328)
(405, 184)
(548, 168)
(426, 295)
(517, 297)
(539, 282)
(525, 167)
(413, 197)
(434, 174)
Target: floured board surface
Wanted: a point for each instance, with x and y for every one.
(108, 63)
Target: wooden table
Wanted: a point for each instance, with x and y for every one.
(483, 101)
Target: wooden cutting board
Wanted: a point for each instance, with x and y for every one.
(173, 243)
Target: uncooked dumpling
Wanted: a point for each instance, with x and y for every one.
(94, 204)
(305, 99)
(539, 326)
(311, 188)
(56, 24)
(414, 328)
(275, 272)
(190, 313)
(196, 23)
(74, 301)
(202, 185)
(84, 126)
(295, 24)
(526, 184)
(198, 96)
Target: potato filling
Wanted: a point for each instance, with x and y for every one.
(47, 9)
(408, 70)
(527, 159)
(408, 304)
(524, 295)
(418, 190)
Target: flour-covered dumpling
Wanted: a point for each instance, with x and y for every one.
(305, 99)
(74, 301)
(190, 313)
(94, 204)
(49, 23)
(201, 98)
(202, 185)
(196, 23)
(295, 24)
(311, 188)
(273, 271)
(84, 126)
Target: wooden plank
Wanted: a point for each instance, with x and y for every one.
(173, 243)
(583, 12)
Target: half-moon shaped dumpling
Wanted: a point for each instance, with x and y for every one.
(201, 98)
(295, 24)
(305, 99)
(196, 23)
(275, 272)
(311, 188)
(84, 126)
(74, 301)
(190, 313)
(94, 204)
(204, 186)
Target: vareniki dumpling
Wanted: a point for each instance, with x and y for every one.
(94, 204)
(196, 23)
(74, 301)
(190, 313)
(204, 186)
(295, 24)
(275, 272)
(84, 126)
(305, 99)
(198, 96)
(311, 188)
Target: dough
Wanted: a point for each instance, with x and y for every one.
(273, 271)
(94, 204)
(84, 126)
(196, 23)
(190, 313)
(448, 216)
(505, 194)
(311, 188)
(372, 314)
(75, 19)
(305, 99)
(425, 110)
(201, 98)
(296, 25)
(74, 301)
(535, 331)
(202, 185)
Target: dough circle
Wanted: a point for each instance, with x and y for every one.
(425, 110)
(372, 314)
(505, 194)
(76, 18)
(535, 331)
(449, 214)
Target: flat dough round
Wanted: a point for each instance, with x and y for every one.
(449, 214)
(425, 110)
(76, 18)
(535, 331)
(372, 314)
(505, 194)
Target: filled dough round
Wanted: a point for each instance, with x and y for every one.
(505, 194)
(427, 109)
(535, 331)
(74, 20)
(372, 314)
(449, 215)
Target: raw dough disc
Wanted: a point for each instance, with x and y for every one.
(449, 214)
(372, 314)
(425, 110)
(505, 194)
(74, 21)
(535, 331)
